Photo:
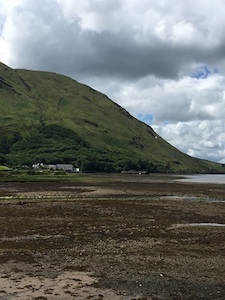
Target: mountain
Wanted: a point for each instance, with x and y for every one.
(50, 118)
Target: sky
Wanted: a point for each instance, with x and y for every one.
(162, 60)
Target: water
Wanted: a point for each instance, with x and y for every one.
(193, 198)
(199, 224)
(205, 178)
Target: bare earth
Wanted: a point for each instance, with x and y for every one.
(112, 237)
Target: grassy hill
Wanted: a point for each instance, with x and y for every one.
(50, 118)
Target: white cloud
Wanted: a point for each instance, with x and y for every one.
(203, 139)
(94, 15)
(172, 101)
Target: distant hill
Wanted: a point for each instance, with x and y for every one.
(50, 118)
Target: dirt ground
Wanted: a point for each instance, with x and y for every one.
(121, 237)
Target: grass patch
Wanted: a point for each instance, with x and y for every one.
(4, 168)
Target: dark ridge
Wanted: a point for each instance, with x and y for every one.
(151, 132)
(24, 83)
(86, 98)
(90, 123)
(59, 103)
(92, 90)
(136, 141)
(4, 83)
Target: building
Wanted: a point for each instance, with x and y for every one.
(59, 167)
(65, 167)
(51, 167)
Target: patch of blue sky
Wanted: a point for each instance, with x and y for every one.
(166, 122)
(148, 118)
(202, 72)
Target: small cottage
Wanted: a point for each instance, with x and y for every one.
(65, 167)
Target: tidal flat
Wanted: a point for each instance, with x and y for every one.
(112, 237)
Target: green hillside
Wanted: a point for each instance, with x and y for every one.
(50, 118)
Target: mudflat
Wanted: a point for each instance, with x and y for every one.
(112, 237)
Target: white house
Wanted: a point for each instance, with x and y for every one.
(65, 167)
(60, 167)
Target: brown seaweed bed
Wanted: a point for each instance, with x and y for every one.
(112, 237)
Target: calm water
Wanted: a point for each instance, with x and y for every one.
(205, 178)
(199, 224)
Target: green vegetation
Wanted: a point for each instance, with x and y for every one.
(50, 118)
(4, 168)
(32, 176)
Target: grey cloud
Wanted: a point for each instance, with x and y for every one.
(55, 43)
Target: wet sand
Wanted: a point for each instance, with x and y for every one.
(66, 286)
(112, 237)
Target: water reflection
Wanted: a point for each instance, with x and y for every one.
(193, 198)
(204, 178)
(199, 224)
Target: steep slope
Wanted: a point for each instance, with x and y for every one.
(52, 118)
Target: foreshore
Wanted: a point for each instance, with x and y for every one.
(112, 237)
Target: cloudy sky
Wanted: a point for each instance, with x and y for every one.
(162, 60)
